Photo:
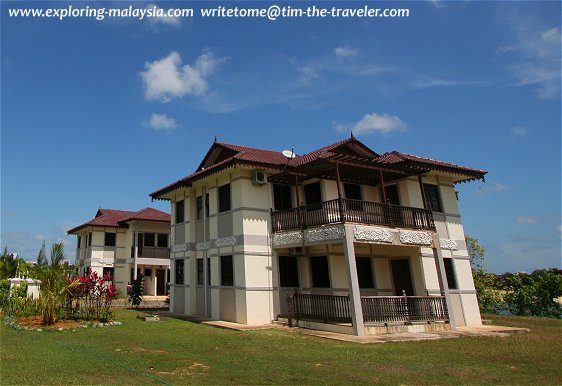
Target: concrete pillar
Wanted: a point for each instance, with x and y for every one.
(443, 286)
(136, 255)
(354, 292)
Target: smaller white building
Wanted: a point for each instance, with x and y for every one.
(126, 244)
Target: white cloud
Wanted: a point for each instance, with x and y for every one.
(346, 52)
(436, 3)
(536, 59)
(161, 17)
(494, 187)
(166, 78)
(518, 131)
(383, 123)
(529, 219)
(162, 121)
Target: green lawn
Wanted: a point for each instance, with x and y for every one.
(179, 352)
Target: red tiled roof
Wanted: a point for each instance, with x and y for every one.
(398, 157)
(118, 218)
(275, 159)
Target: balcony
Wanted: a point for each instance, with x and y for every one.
(376, 309)
(152, 252)
(352, 211)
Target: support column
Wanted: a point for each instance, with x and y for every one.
(136, 255)
(443, 286)
(354, 292)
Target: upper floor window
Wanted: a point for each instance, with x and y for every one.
(200, 206)
(109, 239)
(180, 213)
(352, 191)
(79, 241)
(179, 272)
(89, 239)
(392, 195)
(312, 193)
(224, 198)
(282, 197)
(162, 240)
(432, 197)
(149, 239)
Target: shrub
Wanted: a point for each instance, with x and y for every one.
(137, 290)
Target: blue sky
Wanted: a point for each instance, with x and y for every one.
(102, 113)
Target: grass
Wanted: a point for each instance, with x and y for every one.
(179, 352)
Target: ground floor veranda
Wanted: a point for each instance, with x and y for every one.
(155, 271)
(343, 278)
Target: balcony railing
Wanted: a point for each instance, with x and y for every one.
(352, 211)
(152, 252)
(376, 309)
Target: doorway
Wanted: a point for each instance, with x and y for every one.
(402, 277)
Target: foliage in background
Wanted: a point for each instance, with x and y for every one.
(533, 294)
(42, 256)
(487, 292)
(137, 290)
(12, 266)
(521, 293)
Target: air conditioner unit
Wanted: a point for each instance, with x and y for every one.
(259, 178)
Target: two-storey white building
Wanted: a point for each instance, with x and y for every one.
(341, 239)
(125, 244)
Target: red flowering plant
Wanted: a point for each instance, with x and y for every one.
(92, 296)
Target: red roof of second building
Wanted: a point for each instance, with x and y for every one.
(118, 218)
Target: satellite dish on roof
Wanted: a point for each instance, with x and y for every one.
(290, 154)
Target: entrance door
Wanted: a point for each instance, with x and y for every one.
(402, 277)
(160, 283)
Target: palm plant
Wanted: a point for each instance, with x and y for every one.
(54, 285)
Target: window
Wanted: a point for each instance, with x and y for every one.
(79, 241)
(224, 198)
(364, 272)
(108, 271)
(180, 213)
(227, 271)
(89, 239)
(200, 272)
(450, 273)
(109, 239)
(199, 201)
(162, 240)
(282, 197)
(352, 191)
(312, 194)
(288, 271)
(392, 195)
(149, 239)
(432, 197)
(207, 205)
(148, 272)
(179, 272)
(320, 271)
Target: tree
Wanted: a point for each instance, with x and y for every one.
(55, 284)
(42, 256)
(485, 283)
(534, 294)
